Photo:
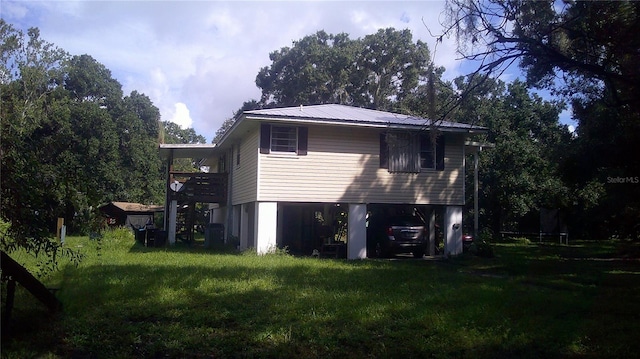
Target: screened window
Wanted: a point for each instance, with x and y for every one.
(284, 139)
(411, 152)
(238, 155)
(427, 152)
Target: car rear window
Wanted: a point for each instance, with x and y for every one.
(406, 221)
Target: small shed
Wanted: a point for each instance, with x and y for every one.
(133, 215)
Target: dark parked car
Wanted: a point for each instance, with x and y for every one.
(399, 234)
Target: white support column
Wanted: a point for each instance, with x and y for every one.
(357, 227)
(432, 231)
(173, 215)
(216, 213)
(266, 226)
(242, 219)
(453, 230)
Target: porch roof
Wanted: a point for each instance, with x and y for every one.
(188, 150)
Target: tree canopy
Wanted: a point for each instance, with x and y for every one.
(71, 140)
(377, 71)
(522, 173)
(587, 53)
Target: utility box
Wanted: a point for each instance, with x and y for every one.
(214, 235)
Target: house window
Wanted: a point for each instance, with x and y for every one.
(411, 152)
(283, 139)
(238, 155)
(427, 152)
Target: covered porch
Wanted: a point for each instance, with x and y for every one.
(185, 189)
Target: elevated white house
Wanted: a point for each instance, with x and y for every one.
(298, 175)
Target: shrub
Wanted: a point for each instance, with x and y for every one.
(481, 248)
(521, 240)
(116, 237)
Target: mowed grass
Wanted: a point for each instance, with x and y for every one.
(530, 301)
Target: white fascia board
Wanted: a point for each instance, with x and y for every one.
(344, 123)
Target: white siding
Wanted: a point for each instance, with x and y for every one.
(342, 165)
(245, 174)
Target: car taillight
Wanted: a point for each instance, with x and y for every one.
(389, 231)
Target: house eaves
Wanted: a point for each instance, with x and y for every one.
(341, 115)
(334, 114)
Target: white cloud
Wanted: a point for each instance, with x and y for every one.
(181, 116)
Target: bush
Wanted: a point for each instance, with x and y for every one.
(116, 237)
(481, 248)
(521, 240)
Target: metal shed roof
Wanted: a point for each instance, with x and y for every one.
(333, 113)
(131, 207)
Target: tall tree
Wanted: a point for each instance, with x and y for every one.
(314, 71)
(377, 71)
(522, 174)
(31, 95)
(588, 53)
(70, 140)
(173, 133)
(550, 38)
(388, 68)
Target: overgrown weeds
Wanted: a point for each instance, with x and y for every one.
(528, 301)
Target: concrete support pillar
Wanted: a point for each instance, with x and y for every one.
(173, 216)
(453, 230)
(266, 221)
(243, 224)
(217, 213)
(357, 228)
(432, 231)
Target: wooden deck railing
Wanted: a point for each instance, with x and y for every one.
(200, 187)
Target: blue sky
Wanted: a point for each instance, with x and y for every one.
(197, 60)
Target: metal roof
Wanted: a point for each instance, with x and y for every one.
(133, 207)
(349, 115)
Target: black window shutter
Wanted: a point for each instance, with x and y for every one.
(303, 134)
(440, 153)
(265, 138)
(384, 151)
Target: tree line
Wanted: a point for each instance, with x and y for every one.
(71, 140)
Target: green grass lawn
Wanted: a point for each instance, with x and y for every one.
(530, 301)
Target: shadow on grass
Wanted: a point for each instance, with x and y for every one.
(183, 247)
(248, 306)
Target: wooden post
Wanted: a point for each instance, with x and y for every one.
(59, 227)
